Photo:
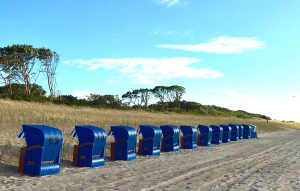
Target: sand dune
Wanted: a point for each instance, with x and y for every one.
(268, 163)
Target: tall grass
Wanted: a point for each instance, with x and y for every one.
(15, 113)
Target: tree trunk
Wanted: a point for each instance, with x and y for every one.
(10, 88)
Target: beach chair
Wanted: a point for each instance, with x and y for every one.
(234, 132)
(151, 140)
(217, 134)
(247, 131)
(189, 139)
(124, 147)
(42, 154)
(205, 135)
(170, 141)
(90, 152)
(226, 133)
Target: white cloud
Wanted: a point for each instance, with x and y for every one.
(150, 70)
(220, 45)
(170, 3)
(277, 107)
(281, 107)
(81, 94)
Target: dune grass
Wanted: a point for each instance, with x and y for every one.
(15, 113)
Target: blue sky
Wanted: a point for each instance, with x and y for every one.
(231, 53)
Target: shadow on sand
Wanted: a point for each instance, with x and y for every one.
(7, 170)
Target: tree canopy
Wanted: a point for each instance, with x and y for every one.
(24, 63)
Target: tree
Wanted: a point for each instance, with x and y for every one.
(37, 92)
(104, 101)
(67, 99)
(49, 61)
(171, 94)
(23, 59)
(159, 92)
(7, 72)
(112, 101)
(137, 98)
(127, 97)
(176, 94)
(24, 63)
(133, 98)
(145, 95)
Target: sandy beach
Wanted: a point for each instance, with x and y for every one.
(268, 163)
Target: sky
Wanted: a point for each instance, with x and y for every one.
(239, 54)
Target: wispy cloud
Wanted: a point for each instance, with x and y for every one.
(170, 3)
(220, 45)
(150, 70)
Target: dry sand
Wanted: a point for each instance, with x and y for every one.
(268, 163)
